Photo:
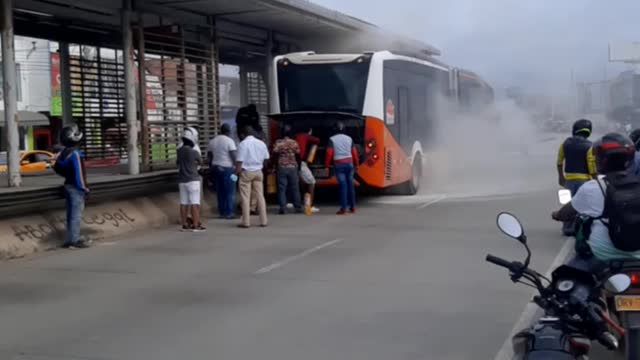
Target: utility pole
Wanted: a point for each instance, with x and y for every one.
(10, 95)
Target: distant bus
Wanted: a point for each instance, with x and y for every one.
(388, 102)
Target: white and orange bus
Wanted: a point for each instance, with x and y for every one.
(388, 102)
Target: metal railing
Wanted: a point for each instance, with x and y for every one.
(22, 202)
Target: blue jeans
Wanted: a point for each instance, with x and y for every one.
(289, 186)
(344, 174)
(225, 189)
(572, 185)
(75, 207)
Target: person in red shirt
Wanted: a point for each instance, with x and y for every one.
(305, 139)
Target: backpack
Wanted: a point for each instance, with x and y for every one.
(622, 208)
(583, 233)
(58, 166)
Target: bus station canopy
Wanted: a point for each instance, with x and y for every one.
(242, 20)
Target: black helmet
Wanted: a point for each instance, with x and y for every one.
(635, 137)
(582, 126)
(613, 152)
(70, 136)
(339, 127)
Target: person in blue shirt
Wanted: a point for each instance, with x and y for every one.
(635, 137)
(70, 165)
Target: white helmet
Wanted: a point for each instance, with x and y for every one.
(191, 134)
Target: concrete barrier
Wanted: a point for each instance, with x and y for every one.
(21, 236)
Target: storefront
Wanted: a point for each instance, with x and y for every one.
(34, 129)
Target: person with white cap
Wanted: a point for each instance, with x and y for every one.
(189, 181)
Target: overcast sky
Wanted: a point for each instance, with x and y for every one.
(536, 42)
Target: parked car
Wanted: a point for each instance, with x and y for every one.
(31, 161)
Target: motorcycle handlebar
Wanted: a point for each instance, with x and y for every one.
(499, 261)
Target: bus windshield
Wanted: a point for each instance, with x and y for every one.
(323, 87)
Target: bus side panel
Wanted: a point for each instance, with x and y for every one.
(385, 162)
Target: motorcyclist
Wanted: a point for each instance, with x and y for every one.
(575, 162)
(635, 137)
(614, 153)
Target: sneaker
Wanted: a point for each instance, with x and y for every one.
(76, 245)
(199, 228)
(289, 206)
(315, 209)
(341, 212)
(281, 212)
(352, 210)
(186, 228)
(81, 245)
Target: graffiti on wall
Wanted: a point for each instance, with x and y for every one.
(42, 231)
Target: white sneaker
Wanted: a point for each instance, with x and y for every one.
(314, 209)
(289, 206)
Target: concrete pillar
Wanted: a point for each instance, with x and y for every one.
(10, 94)
(270, 79)
(65, 84)
(130, 89)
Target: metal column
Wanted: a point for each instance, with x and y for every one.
(270, 75)
(65, 84)
(244, 86)
(10, 95)
(142, 86)
(130, 89)
(213, 71)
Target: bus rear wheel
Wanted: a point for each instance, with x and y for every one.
(412, 186)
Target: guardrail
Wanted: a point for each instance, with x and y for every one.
(21, 202)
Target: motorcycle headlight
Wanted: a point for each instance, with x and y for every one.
(565, 285)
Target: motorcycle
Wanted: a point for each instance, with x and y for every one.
(624, 307)
(573, 311)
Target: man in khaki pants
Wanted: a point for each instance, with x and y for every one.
(251, 157)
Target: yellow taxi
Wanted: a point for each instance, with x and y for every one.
(31, 161)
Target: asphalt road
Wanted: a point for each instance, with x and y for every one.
(405, 278)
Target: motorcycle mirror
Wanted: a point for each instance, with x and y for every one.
(564, 196)
(618, 283)
(510, 226)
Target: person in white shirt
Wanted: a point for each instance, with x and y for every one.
(222, 155)
(614, 155)
(250, 160)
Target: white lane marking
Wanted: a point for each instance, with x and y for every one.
(532, 311)
(428, 203)
(404, 199)
(279, 264)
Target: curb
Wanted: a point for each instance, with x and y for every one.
(24, 235)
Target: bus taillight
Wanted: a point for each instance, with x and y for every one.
(371, 144)
(371, 152)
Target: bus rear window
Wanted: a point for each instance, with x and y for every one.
(323, 87)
